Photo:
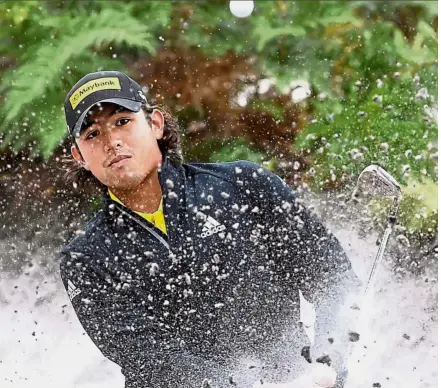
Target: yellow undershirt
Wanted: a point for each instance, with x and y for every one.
(156, 218)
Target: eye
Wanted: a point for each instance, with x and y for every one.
(90, 134)
(121, 122)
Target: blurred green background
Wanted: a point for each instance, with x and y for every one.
(315, 91)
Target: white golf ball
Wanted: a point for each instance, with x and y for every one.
(242, 8)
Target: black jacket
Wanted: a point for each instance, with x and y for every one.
(217, 297)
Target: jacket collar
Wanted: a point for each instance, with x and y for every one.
(172, 179)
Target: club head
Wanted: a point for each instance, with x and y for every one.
(375, 181)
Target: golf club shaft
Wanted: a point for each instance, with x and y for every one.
(391, 219)
(370, 282)
(379, 256)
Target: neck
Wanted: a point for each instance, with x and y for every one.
(145, 198)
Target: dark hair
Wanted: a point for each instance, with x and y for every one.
(169, 145)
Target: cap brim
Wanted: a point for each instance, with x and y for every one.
(134, 106)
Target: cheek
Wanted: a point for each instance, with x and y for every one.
(144, 144)
(95, 157)
(148, 156)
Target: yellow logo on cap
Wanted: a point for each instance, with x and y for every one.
(92, 87)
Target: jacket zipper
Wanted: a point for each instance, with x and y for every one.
(151, 231)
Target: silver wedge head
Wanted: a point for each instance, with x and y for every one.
(375, 181)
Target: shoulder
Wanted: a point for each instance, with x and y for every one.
(86, 238)
(253, 179)
(237, 172)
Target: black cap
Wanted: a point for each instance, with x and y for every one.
(99, 87)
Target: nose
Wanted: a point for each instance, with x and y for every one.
(112, 141)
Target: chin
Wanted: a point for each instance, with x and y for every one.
(127, 181)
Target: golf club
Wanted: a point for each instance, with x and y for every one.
(373, 182)
(376, 182)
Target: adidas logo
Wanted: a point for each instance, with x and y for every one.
(72, 291)
(211, 226)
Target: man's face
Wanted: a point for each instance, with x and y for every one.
(114, 131)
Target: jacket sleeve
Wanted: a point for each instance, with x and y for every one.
(312, 259)
(122, 327)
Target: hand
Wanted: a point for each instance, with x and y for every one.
(317, 376)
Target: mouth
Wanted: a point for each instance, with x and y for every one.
(118, 159)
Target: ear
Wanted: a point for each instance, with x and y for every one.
(77, 156)
(157, 123)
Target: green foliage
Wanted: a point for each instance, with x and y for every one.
(331, 44)
(375, 124)
(418, 211)
(212, 28)
(216, 150)
(423, 48)
(265, 33)
(36, 89)
(288, 37)
(267, 106)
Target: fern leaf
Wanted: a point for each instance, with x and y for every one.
(265, 33)
(32, 80)
(57, 132)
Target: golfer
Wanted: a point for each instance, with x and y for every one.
(189, 275)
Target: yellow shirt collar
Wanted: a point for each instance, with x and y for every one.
(115, 198)
(156, 218)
